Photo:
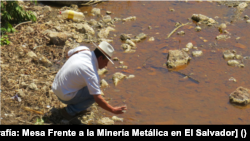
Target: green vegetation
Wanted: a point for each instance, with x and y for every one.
(12, 13)
(39, 121)
(4, 39)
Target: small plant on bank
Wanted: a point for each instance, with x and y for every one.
(4, 40)
(39, 121)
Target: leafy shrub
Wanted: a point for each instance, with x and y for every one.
(12, 13)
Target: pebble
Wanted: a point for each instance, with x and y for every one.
(232, 62)
(115, 118)
(181, 33)
(238, 56)
(198, 28)
(185, 49)
(228, 54)
(108, 12)
(195, 48)
(115, 59)
(31, 54)
(246, 57)
(246, 17)
(172, 10)
(105, 121)
(248, 21)
(232, 79)
(189, 45)
(33, 86)
(131, 43)
(21, 93)
(123, 67)
(197, 53)
(106, 18)
(131, 76)
(151, 39)
(96, 11)
(222, 26)
(241, 65)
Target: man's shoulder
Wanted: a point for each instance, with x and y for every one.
(82, 47)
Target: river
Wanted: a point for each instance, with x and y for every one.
(159, 96)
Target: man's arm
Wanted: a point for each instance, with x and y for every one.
(103, 103)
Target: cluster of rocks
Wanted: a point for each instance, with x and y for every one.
(205, 20)
(233, 58)
(130, 43)
(117, 77)
(195, 53)
(231, 3)
(178, 58)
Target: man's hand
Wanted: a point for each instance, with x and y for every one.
(119, 110)
(102, 103)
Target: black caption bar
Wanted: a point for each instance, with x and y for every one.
(173, 131)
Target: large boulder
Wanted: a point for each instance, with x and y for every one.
(105, 32)
(85, 28)
(118, 76)
(203, 19)
(240, 96)
(58, 38)
(177, 58)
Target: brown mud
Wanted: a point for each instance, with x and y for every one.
(155, 95)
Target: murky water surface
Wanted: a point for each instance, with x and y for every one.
(159, 96)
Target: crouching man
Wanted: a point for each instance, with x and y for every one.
(77, 83)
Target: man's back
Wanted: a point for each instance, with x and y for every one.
(80, 70)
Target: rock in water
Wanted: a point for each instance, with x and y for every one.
(197, 53)
(228, 54)
(104, 84)
(102, 71)
(233, 62)
(203, 19)
(105, 32)
(177, 58)
(118, 76)
(240, 96)
(105, 121)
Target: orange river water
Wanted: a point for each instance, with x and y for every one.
(157, 95)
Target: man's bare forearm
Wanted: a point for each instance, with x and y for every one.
(103, 103)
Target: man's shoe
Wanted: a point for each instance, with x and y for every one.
(72, 119)
(82, 113)
(65, 114)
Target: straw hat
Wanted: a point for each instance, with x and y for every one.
(106, 49)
